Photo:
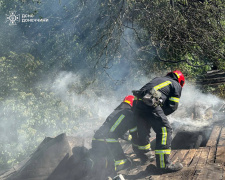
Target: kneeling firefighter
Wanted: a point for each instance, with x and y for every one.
(153, 102)
(105, 144)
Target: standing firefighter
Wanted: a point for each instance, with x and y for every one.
(153, 102)
(105, 145)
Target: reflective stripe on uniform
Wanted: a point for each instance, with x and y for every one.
(166, 83)
(120, 162)
(162, 162)
(129, 137)
(174, 99)
(117, 123)
(164, 136)
(106, 162)
(92, 163)
(146, 147)
(133, 129)
(161, 156)
(164, 151)
(110, 140)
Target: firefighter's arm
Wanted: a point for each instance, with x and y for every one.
(172, 102)
(171, 105)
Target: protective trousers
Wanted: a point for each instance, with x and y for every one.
(111, 150)
(156, 119)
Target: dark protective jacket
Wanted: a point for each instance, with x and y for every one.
(170, 93)
(117, 123)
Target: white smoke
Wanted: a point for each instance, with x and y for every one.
(66, 87)
(66, 84)
(191, 94)
(193, 102)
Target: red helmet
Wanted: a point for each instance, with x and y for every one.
(180, 77)
(129, 100)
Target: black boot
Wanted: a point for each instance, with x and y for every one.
(163, 163)
(173, 167)
(146, 158)
(124, 166)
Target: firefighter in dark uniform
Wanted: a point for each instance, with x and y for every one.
(105, 142)
(153, 102)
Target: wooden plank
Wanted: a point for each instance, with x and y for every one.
(212, 155)
(168, 176)
(201, 162)
(160, 175)
(220, 155)
(179, 156)
(172, 154)
(204, 156)
(185, 174)
(222, 137)
(214, 136)
(211, 171)
(156, 177)
(190, 155)
(223, 173)
(194, 162)
(189, 171)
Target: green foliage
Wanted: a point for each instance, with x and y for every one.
(31, 118)
(29, 112)
(216, 90)
(169, 31)
(221, 92)
(18, 73)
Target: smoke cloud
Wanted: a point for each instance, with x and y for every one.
(196, 109)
